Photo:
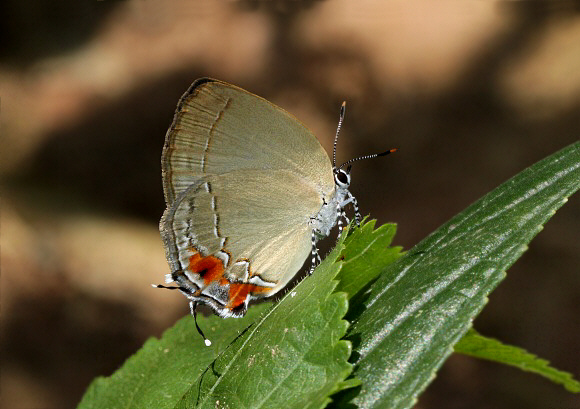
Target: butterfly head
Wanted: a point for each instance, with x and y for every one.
(342, 178)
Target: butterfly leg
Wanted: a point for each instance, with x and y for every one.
(351, 199)
(344, 217)
(342, 220)
(340, 212)
(357, 216)
(315, 255)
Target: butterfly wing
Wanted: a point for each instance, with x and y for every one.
(219, 128)
(242, 180)
(240, 235)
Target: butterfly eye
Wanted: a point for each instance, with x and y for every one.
(342, 178)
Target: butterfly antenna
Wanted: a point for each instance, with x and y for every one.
(193, 308)
(376, 155)
(340, 119)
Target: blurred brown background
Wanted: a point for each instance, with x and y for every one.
(471, 92)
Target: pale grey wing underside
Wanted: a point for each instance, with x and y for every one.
(262, 216)
(219, 128)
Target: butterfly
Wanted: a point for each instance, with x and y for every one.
(249, 192)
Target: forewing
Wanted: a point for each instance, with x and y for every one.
(219, 128)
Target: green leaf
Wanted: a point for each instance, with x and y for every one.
(162, 371)
(292, 351)
(308, 386)
(291, 357)
(366, 254)
(422, 304)
(476, 345)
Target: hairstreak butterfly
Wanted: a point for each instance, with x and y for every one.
(249, 192)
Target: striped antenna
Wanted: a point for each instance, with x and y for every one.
(340, 119)
(376, 155)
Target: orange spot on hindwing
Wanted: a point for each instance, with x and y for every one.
(239, 292)
(209, 268)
